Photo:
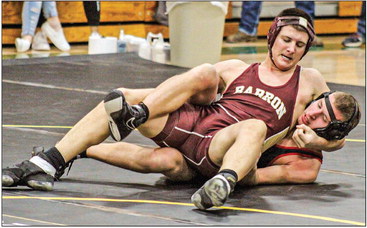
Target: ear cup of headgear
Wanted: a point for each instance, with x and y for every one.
(336, 129)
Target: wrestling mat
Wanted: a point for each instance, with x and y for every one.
(42, 98)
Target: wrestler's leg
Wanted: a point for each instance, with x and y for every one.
(238, 147)
(198, 85)
(39, 171)
(93, 128)
(236, 150)
(167, 161)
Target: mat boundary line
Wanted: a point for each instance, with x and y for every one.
(191, 205)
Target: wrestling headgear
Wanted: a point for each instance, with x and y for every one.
(336, 129)
(279, 22)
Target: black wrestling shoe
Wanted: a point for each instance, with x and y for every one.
(27, 174)
(123, 118)
(40, 149)
(214, 192)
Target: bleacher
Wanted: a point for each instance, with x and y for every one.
(136, 18)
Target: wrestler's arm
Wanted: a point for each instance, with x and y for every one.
(317, 81)
(304, 137)
(287, 169)
(300, 171)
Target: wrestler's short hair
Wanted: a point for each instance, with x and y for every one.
(347, 104)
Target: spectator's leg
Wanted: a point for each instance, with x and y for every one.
(52, 28)
(307, 6)
(92, 11)
(50, 13)
(362, 22)
(30, 16)
(250, 16)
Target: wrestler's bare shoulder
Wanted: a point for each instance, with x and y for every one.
(311, 74)
(231, 69)
(312, 78)
(230, 64)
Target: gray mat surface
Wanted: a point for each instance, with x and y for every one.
(59, 91)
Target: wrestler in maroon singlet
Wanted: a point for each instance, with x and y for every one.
(191, 128)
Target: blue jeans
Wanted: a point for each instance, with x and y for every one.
(362, 22)
(250, 14)
(31, 13)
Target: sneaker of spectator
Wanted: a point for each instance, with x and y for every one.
(354, 40)
(40, 42)
(240, 37)
(56, 36)
(22, 45)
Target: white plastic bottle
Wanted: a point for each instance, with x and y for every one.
(121, 42)
(145, 50)
(158, 53)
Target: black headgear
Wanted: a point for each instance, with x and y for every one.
(336, 129)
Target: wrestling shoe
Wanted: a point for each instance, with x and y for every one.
(27, 174)
(40, 149)
(123, 118)
(214, 192)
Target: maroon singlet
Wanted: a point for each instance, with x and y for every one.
(191, 128)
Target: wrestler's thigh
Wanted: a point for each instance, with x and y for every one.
(134, 96)
(226, 137)
(153, 127)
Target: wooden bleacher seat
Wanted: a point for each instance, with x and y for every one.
(136, 18)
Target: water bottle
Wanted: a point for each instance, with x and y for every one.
(145, 50)
(121, 42)
(158, 54)
(157, 47)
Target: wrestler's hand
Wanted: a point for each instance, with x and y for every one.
(305, 137)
